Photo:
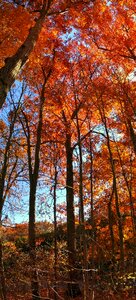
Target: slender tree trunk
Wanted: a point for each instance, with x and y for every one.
(33, 179)
(2, 199)
(93, 234)
(119, 222)
(32, 252)
(92, 204)
(116, 199)
(129, 188)
(81, 214)
(70, 204)
(73, 287)
(82, 224)
(3, 292)
(2, 180)
(131, 203)
(110, 216)
(14, 64)
(115, 191)
(128, 123)
(132, 134)
(55, 232)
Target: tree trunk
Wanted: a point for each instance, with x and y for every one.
(2, 181)
(132, 134)
(14, 64)
(70, 203)
(2, 199)
(92, 204)
(73, 287)
(110, 216)
(81, 213)
(82, 224)
(3, 293)
(33, 179)
(2, 272)
(55, 232)
(129, 188)
(32, 252)
(93, 232)
(115, 191)
(116, 201)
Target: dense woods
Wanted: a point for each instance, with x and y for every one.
(67, 149)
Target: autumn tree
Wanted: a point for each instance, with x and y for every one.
(11, 166)
(88, 120)
(33, 167)
(15, 62)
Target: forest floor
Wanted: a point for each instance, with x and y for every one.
(96, 296)
(99, 293)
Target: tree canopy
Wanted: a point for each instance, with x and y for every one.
(68, 134)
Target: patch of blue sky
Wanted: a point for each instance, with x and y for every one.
(71, 34)
(16, 203)
(14, 95)
(114, 133)
(16, 206)
(108, 3)
(45, 202)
